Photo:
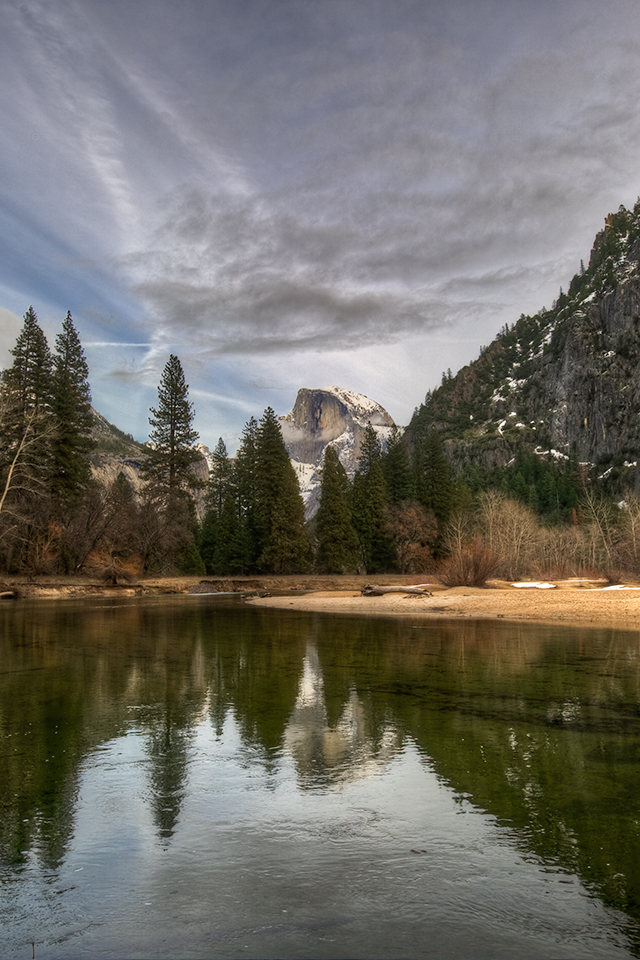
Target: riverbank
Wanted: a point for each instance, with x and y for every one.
(579, 602)
(585, 602)
(73, 587)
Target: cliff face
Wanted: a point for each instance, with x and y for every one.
(565, 381)
(328, 415)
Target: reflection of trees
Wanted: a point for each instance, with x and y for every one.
(258, 666)
(70, 673)
(167, 747)
(541, 732)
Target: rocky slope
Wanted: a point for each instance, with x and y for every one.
(117, 452)
(329, 415)
(565, 381)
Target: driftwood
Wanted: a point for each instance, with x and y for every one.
(371, 590)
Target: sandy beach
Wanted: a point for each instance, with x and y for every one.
(579, 602)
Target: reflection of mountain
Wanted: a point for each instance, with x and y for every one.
(539, 729)
(344, 751)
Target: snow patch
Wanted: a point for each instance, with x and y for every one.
(362, 408)
(538, 585)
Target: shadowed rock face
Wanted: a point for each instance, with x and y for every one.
(329, 415)
(565, 381)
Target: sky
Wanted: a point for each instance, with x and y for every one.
(300, 193)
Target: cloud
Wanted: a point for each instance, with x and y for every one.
(10, 326)
(277, 189)
(409, 178)
(112, 343)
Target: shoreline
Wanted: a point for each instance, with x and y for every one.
(579, 602)
(564, 603)
(55, 587)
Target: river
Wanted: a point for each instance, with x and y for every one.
(196, 777)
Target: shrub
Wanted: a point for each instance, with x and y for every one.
(470, 565)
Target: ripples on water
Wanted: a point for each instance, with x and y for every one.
(198, 778)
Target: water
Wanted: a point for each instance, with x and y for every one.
(200, 778)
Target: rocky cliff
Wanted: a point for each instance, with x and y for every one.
(565, 381)
(329, 415)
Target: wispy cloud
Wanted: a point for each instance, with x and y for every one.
(274, 188)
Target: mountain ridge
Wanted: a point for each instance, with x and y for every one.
(563, 382)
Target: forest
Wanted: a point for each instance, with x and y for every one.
(405, 510)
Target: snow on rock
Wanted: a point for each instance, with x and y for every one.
(329, 415)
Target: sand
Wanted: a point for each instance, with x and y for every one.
(579, 602)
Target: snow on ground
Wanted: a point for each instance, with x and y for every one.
(536, 584)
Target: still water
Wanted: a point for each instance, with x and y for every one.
(201, 778)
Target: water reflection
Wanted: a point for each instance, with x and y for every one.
(540, 729)
(350, 746)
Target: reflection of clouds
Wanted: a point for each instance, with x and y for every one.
(348, 751)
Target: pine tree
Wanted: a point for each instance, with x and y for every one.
(168, 468)
(397, 469)
(170, 476)
(369, 506)
(283, 543)
(219, 478)
(73, 441)
(26, 431)
(436, 487)
(243, 486)
(369, 510)
(336, 535)
(370, 450)
(219, 531)
(28, 383)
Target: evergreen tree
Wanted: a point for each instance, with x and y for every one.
(397, 469)
(170, 476)
(283, 543)
(168, 468)
(336, 535)
(26, 431)
(219, 478)
(244, 487)
(219, 532)
(28, 383)
(369, 506)
(370, 450)
(73, 441)
(436, 487)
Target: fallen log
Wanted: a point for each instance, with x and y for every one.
(371, 590)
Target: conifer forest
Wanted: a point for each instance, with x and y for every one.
(408, 509)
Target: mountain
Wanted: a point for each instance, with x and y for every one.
(563, 382)
(329, 415)
(117, 452)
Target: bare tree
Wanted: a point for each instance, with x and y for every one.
(511, 531)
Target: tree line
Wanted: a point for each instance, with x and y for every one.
(401, 512)
(55, 517)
